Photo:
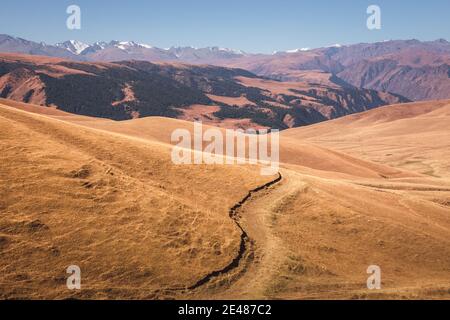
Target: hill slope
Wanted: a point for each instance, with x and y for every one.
(114, 205)
(105, 195)
(412, 136)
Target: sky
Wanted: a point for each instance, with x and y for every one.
(255, 26)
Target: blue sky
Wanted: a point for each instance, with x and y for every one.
(250, 25)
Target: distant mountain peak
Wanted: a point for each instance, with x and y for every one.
(210, 48)
(74, 46)
(336, 45)
(442, 40)
(234, 51)
(298, 50)
(125, 45)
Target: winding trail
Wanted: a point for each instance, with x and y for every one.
(260, 254)
(245, 244)
(246, 248)
(269, 252)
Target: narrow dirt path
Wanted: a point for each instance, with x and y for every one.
(246, 251)
(261, 253)
(246, 244)
(269, 254)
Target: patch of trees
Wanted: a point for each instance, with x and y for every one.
(256, 115)
(93, 95)
(6, 91)
(28, 95)
(85, 95)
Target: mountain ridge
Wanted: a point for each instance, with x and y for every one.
(417, 70)
(230, 97)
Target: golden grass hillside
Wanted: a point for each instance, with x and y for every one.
(105, 195)
(115, 206)
(330, 231)
(413, 136)
(334, 228)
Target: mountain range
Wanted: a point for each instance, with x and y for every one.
(279, 90)
(417, 70)
(218, 95)
(116, 50)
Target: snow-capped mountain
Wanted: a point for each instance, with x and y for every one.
(208, 54)
(74, 46)
(97, 46)
(19, 45)
(422, 67)
(80, 48)
(118, 50)
(298, 50)
(292, 51)
(126, 50)
(127, 45)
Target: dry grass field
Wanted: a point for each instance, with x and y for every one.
(367, 189)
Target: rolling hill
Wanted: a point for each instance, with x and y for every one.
(414, 136)
(105, 195)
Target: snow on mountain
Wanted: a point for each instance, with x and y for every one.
(80, 48)
(74, 46)
(233, 51)
(206, 55)
(291, 51)
(19, 45)
(298, 50)
(142, 50)
(127, 45)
